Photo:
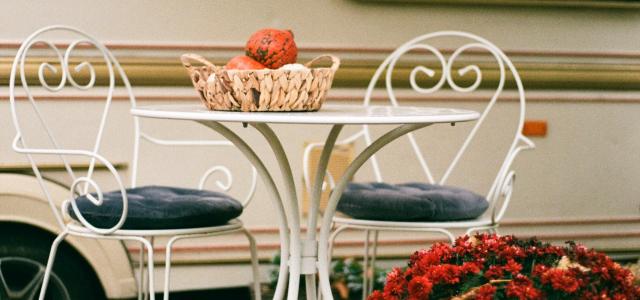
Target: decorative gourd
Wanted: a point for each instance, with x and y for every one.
(272, 47)
(243, 62)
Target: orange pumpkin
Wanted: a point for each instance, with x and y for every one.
(272, 47)
(243, 62)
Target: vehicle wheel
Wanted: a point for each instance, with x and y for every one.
(23, 258)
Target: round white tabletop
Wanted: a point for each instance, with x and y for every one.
(328, 114)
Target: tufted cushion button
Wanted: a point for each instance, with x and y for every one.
(161, 207)
(410, 202)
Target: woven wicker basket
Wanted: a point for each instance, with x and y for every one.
(261, 90)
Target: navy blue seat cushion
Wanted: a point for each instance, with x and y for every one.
(160, 207)
(410, 202)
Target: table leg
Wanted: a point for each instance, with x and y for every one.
(294, 212)
(329, 212)
(304, 257)
(316, 193)
(275, 197)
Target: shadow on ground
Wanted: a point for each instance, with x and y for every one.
(240, 293)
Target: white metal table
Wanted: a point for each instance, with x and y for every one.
(309, 255)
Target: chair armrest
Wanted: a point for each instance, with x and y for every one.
(506, 179)
(212, 170)
(523, 143)
(87, 180)
(227, 186)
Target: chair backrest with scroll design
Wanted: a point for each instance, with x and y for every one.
(502, 183)
(83, 182)
(443, 76)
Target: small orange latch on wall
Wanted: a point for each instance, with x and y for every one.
(535, 128)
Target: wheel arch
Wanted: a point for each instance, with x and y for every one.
(23, 204)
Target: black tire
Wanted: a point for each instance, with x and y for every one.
(23, 255)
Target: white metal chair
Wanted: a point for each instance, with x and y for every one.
(499, 193)
(85, 184)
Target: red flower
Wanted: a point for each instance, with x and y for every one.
(464, 245)
(419, 288)
(486, 292)
(438, 253)
(554, 250)
(512, 252)
(522, 288)
(538, 270)
(513, 267)
(445, 273)
(376, 295)
(494, 272)
(396, 284)
(619, 297)
(561, 280)
(603, 272)
(470, 268)
(572, 271)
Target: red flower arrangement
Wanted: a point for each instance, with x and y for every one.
(503, 267)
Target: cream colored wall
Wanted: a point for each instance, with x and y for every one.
(586, 167)
(329, 22)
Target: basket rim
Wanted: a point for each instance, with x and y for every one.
(187, 58)
(307, 69)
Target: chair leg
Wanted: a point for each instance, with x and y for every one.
(281, 285)
(145, 269)
(332, 239)
(167, 266)
(373, 262)
(255, 265)
(452, 238)
(145, 284)
(50, 262)
(141, 273)
(150, 290)
(254, 261)
(365, 264)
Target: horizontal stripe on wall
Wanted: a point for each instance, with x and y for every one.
(394, 242)
(619, 4)
(305, 49)
(522, 222)
(268, 248)
(158, 65)
(21, 167)
(379, 96)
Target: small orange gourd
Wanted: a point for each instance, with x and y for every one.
(243, 62)
(272, 47)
